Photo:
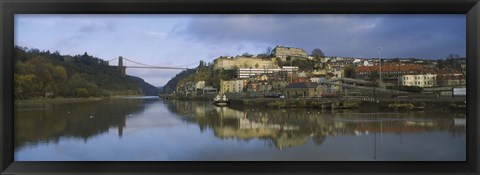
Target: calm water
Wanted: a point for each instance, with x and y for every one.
(154, 129)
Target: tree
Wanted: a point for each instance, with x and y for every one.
(262, 55)
(202, 64)
(81, 92)
(269, 50)
(453, 56)
(289, 58)
(349, 72)
(246, 54)
(39, 72)
(317, 53)
(374, 75)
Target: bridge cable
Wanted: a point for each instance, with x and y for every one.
(139, 63)
(112, 59)
(147, 65)
(182, 66)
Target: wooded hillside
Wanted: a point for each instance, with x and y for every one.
(40, 73)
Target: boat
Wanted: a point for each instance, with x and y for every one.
(459, 121)
(220, 100)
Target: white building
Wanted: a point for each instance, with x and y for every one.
(242, 62)
(420, 80)
(200, 85)
(247, 72)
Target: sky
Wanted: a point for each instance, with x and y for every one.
(178, 40)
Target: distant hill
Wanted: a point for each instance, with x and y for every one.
(147, 88)
(160, 88)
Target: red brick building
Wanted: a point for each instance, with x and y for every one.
(388, 71)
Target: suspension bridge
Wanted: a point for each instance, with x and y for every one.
(123, 67)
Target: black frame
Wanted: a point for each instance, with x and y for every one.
(10, 7)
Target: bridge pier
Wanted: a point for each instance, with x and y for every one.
(123, 69)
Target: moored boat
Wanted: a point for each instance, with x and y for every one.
(220, 100)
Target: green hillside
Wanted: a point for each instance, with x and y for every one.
(38, 73)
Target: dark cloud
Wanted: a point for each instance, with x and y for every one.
(422, 36)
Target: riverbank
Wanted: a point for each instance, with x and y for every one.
(64, 100)
(58, 100)
(329, 104)
(341, 104)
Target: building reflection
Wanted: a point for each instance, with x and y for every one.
(286, 128)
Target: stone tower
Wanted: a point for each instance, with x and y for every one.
(121, 67)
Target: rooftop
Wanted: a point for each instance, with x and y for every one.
(389, 68)
(302, 85)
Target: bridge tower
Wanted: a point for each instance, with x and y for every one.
(121, 67)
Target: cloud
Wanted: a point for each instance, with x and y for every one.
(425, 36)
(89, 26)
(366, 27)
(69, 41)
(156, 34)
(83, 30)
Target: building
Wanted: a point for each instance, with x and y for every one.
(200, 85)
(338, 73)
(303, 89)
(209, 90)
(301, 79)
(242, 62)
(388, 71)
(339, 62)
(253, 72)
(283, 52)
(451, 78)
(232, 86)
(279, 84)
(420, 80)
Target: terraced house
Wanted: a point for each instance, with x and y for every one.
(389, 72)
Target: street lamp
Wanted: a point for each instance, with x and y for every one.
(380, 49)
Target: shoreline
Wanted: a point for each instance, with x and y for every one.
(64, 100)
(287, 103)
(334, 104)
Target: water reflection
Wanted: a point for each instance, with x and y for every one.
(153, 129)
(41, 123)
(287, 128)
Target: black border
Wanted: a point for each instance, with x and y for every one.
(10, 7)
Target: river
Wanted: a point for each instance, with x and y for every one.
(151, 129)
